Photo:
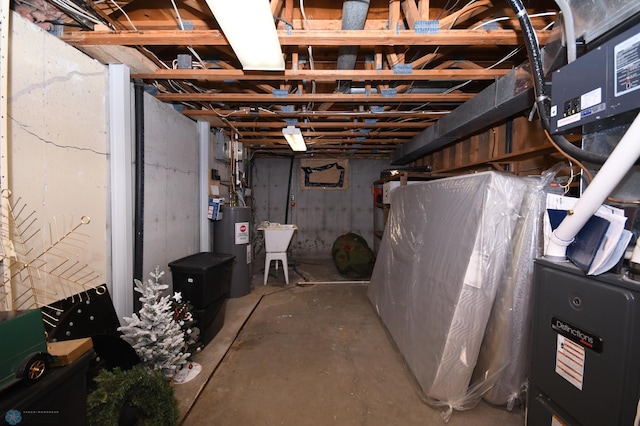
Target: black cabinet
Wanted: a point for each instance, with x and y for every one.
(59, 398)
(204, 279)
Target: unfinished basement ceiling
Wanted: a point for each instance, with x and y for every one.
(408, 72)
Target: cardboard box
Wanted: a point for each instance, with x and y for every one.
(214, 188)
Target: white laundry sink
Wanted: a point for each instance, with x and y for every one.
(277, 236)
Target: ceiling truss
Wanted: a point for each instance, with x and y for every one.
(404, 78)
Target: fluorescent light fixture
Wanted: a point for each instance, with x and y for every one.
(249, 26)
(293, 135)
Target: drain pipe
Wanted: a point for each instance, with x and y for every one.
(354, 15)
(139, 185)
(612, 172)
(286, 206)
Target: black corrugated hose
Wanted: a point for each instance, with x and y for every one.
(542, 100)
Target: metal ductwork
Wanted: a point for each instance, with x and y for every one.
(354, 15)
(507, 96)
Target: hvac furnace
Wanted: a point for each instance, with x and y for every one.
(586, 348)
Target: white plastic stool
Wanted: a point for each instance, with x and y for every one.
(267, 265)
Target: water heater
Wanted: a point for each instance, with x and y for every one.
(232, 235)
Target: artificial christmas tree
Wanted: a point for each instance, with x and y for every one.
(182, 314)
(156, 337)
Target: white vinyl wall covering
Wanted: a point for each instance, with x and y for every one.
(441, 260)
(58, 155)
(121, 202)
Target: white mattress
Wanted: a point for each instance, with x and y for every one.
(444, 253)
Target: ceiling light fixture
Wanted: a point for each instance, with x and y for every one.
(249, 26)
(293, 135)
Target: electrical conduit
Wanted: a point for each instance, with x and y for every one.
(542, 100)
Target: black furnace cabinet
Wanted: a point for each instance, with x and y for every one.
(585, 366)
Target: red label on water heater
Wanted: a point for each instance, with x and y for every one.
(242, 233)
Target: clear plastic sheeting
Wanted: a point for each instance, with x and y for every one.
(503, 362)
(447, 249)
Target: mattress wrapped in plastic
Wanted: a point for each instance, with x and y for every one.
(503, 362)
(446, 249)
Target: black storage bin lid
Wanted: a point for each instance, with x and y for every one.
(201, 262)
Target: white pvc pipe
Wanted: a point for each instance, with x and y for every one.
(635, 257)
(569, 29)
(204, 131)
(612, 172)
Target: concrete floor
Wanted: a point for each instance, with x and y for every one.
(310, 355)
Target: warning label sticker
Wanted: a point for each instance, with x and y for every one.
(627, 66)
(570, 361)
(242, 233)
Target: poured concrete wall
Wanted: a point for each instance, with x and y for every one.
(59, 152)
(171, 204)
(58, 143)
(321, 215)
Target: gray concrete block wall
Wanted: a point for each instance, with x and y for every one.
(321, 215)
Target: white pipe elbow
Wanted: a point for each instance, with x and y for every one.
(557, 248)
(611, 173)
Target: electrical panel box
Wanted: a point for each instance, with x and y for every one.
(586, 347)
(598, 85)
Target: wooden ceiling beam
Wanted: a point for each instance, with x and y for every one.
(314, 97)
(306, 38)
(333, 134)
(325, 141)
(197, 6)
(330, 115)
(226, 75)
(395, 17)
(465, 14)
(423, 9)
(411, 13)
(331, 125)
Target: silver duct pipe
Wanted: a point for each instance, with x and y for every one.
(354, 15)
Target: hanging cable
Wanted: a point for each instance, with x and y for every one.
(125, 14)
(309, 48)
(155, 56)
(541, 98)
(506, 18)
(181, 26)
(75, 11)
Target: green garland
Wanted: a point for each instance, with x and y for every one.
(141, 388)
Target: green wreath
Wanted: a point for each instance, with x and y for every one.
(145, 390)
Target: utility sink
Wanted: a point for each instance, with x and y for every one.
(277, 236)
